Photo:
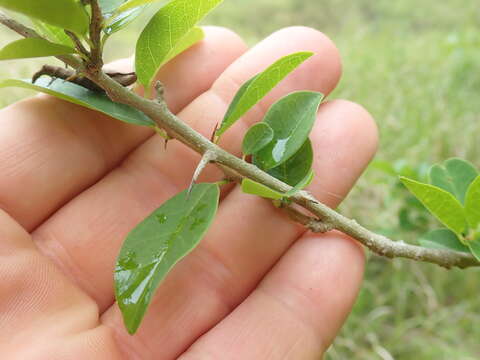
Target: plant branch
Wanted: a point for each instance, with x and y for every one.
(379, 244)
(325, 218)
(313, 224)
(328, 218)
(96, 25)
(78, 44)
(17, 27)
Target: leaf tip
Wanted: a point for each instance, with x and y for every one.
(307, 54)
(131, 328)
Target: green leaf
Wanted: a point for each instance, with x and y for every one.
(254, 188)
(260, 85)
(167, 27)
(475, 248)
(472, 204)
(443, 205)
(118, 22)
(110, 6)
(32, 48)
(295, 169)
(307, 180)
(53, 33)
(442, 239)
(384, 166)
(79, 95)
(157, 244)
(256, 138)
(291, 119)
(134, 3)
(66, 14)
(454, 176)
(115, 18)
(233, 105)
(439, 177)
(194, 36)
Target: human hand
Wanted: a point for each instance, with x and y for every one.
(73, 183)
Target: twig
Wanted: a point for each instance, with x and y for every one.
(17, 27)
(96, 25)
(314, 225)
(382, 245)
(71, 76)
(78, 44)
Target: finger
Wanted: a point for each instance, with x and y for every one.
(51, 150)
(41, 308)
(296, 310)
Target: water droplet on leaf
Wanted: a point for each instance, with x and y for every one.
(162, 218)
(196, 223)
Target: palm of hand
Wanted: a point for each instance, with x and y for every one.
(73, 183)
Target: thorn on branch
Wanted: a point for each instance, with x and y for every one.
(163, 134)
(208, 157)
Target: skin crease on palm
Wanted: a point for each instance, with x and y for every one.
(73, 183)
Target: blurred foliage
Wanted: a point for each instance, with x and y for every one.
(415, 65)
(412, 217)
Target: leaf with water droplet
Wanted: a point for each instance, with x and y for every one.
(79, 95)
(118, 22)
(256, 138)
(291, 119)
(161, 218)
(115, 19)
(295, 169)
(108, 7)
(157, 244)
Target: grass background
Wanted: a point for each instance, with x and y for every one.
(415, 66)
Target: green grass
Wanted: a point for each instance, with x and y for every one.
(415, 65)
